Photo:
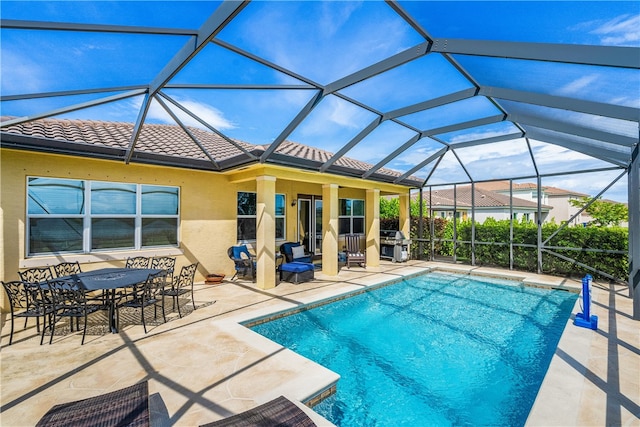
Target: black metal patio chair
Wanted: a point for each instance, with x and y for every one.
(137, 262)
(145, 294)
(26, 300)
(36, 274)
(182, 285)
(67, 268)
(167, 264)
(68, 299)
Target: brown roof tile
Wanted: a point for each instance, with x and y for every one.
(483, 198)
(168, 140)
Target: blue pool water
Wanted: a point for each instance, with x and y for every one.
(434, 350)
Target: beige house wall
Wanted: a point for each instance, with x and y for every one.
(207, 210)
(208, 224)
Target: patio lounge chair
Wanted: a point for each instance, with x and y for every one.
(277, 412)
(125, 407)
(295, 252)
(352, 249)
(243, 261)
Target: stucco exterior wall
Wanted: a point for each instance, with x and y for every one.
(207, 210)
(208, 213)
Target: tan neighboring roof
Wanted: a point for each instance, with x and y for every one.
(163, 142)
(483, 199)
(554, 191)
(504, 186)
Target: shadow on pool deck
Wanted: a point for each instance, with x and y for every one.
(205, 366)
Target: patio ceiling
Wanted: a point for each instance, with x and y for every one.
(407, 86)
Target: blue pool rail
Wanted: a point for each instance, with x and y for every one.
(586, 319)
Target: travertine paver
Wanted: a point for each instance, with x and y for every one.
(205, 366)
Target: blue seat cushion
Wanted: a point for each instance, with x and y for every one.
(296, 267)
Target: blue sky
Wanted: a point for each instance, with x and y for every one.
(324, 41)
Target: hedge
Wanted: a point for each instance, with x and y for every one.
(492, 246)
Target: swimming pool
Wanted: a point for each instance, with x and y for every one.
(437, 349)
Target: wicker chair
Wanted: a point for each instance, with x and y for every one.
(26, 300)
(182, 285)
(277, 412)
(244, 263)
(125, 407)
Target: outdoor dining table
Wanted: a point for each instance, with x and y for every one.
(109, 280)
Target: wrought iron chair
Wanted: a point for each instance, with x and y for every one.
(144, 295)
(243, 261)
(26, 300)
(69, 300)
(36, 275)
(67, 268)
(182, 285)
(352, 249)
(137, 262)
(167, 264)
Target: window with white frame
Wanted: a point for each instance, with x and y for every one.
(81, 216)
(350, 216)
(247, 216)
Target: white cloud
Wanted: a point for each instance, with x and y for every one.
(333, 18)
(21, 74)
(592, 184)
(209, 114)
(621, 30)
(476, 135)
(578, 85)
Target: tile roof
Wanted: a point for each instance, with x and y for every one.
(171, 141)
(504, 186)
(483, 199)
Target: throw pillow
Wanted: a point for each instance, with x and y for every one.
(297, 252)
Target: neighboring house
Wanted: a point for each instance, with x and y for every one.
(488, 204)
(558, 198)
(76, 190)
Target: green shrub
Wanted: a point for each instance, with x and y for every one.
(492, 246)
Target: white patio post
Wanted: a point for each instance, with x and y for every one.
(404, 217)
(265, 232)
(372, 217)
(330, 229)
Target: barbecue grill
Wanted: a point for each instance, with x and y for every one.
(394, 245)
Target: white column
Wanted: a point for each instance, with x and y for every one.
(330, 229)
(266, 232)
(372, 218)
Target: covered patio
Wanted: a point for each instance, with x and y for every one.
(206, 366)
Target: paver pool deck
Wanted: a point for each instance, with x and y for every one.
(206, 366)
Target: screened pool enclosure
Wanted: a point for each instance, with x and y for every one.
(414, 93)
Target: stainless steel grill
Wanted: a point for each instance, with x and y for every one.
(394, 245)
